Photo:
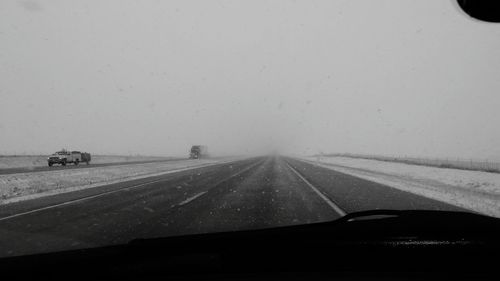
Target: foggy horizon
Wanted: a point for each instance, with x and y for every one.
(153, 78)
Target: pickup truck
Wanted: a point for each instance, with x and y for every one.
(64, 157)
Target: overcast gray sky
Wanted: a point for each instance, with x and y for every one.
(154, 77)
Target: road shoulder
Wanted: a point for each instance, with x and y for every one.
(474, 200)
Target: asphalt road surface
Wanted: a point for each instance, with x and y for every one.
(248, 194)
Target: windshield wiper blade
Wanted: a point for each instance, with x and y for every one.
(370, 214)
(388, 213)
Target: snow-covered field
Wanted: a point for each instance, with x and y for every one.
(23, 186)
(474, 190)
(41, 160)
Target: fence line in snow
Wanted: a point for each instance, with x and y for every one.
(455, 163)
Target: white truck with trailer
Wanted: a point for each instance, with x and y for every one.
(64, 157)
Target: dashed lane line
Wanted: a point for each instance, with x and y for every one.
(190, 199)
(100, 194)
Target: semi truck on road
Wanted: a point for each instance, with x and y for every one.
(198, 151)
(64, 157)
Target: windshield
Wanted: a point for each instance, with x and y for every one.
(210, 116)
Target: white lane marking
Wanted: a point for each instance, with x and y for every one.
(100, 184)
(192, 198)
(103, 193)
(326, 199)
(77, 200)
(218, 183)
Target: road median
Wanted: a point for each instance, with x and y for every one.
(25, 186)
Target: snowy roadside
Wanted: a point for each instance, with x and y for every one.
(474, 190)
(24, 186)
(32, 161)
